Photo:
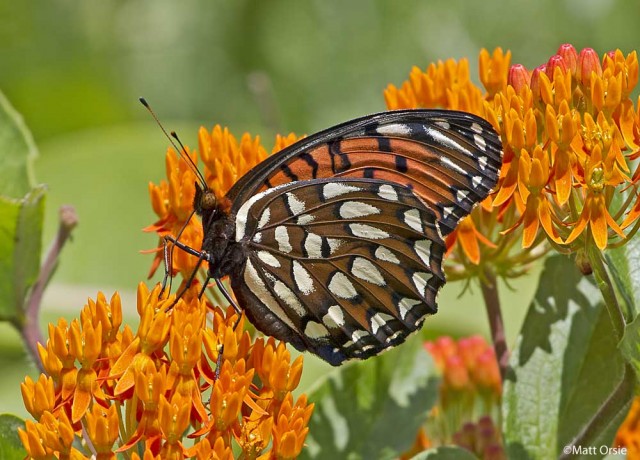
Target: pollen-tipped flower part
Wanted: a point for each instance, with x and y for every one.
(570, 133)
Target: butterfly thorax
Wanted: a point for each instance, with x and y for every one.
(226, 256)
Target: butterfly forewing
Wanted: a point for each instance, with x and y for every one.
(450, 159)
(342, 267)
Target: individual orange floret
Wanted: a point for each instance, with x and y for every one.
(290, 429)
(103, 430)
(273, 365)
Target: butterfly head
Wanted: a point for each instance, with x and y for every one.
(204, 201)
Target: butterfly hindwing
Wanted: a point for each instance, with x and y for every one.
(343, 267)
(450, 159)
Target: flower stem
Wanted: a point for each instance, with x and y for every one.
(606, 288)
(489, 286)
(30, 328)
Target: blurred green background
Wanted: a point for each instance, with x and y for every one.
(76, 69)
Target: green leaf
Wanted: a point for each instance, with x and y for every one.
(564, 366)
(10, 445)
(624, 266)
(445, 453)
(17, 151)
(373, 409)
(20, 247)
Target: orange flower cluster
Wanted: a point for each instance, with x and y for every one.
(160, 391)
(225, 161)
(570, 132)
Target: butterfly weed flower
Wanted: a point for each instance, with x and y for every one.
(155, 393)
(569, 130)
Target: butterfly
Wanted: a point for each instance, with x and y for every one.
(335, 243)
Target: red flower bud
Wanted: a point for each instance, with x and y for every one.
(570, 56)
(588, 62)
(518, 77)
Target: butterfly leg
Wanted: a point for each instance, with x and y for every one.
(202, 255)
(237, 308)
(168, 265)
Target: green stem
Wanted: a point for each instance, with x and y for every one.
(606, 288)
(489, 285)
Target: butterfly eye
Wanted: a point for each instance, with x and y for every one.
(208, 200)
(204, 200)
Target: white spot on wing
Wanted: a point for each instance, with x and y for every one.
(451, 165)
(358, 335)
(305, 219)
(334, 244)
(269, 259)
(243, 212)
(476, 128)
(413, 220)
(303, 279)
(446, 211)
(388, 193)
(315, 330)
(476, 181)
(379, 320)
(257, 238)
(482, 161)
(397, 129)
(334, 189)
(264, 219)
(420, 280)
(423, 249)
(406, 304)
(353, 209)
(443, 124)
(340, 286)
(282, 237)
(461, 195)
(257, 286)
(289, 298)
(334, 317)
(367, 231)
(365, 270)
(295, 205)
(447, 141)
(480, 142)
(385, 254)
(313, 245)
(393, 337)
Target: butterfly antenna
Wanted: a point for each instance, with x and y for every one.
(189, 160)
(181, 150)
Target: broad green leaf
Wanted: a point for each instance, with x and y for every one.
(17, 151)
(445, 453)
(10, 445)
(20, 246)
(373, 409)
(564, 366)
(624, 265)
